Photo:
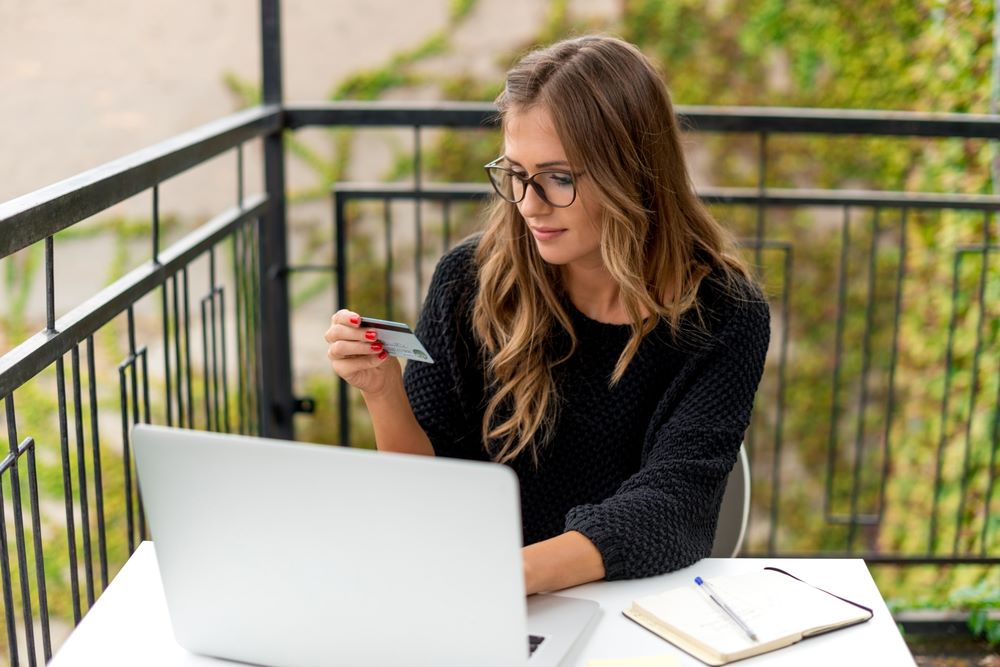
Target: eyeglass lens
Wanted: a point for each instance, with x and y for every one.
(555, 187)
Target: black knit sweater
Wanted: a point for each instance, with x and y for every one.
(638, 468)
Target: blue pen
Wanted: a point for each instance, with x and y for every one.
(714, 597)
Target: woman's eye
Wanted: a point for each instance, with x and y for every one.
(561, 179)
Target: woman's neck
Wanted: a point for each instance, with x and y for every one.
(594, 293)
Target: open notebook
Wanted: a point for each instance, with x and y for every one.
(780, 609)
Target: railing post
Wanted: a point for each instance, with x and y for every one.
(274, 340)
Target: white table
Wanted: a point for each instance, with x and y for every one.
(129, 625)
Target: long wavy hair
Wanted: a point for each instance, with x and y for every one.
(613, 115)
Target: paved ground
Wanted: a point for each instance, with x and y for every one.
(87, 81)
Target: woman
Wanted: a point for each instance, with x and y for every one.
(600, 337)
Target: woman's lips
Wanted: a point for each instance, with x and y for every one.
(546, 233)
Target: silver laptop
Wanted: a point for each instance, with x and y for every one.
(280, 553)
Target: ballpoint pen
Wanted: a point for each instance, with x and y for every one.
(714, 597)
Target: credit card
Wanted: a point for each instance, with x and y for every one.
(398, 339)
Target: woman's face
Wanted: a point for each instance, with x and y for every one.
(563, 236)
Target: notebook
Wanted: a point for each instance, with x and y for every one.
(280, 553)
(779, 608)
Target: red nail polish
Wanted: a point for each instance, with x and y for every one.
(355, 319)
(371, 335)
(382, 355)
(376, 347)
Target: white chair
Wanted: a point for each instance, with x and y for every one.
(735, 510)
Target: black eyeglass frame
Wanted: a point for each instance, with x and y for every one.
(529, 180)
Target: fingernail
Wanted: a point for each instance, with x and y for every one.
(376, 347)
(371, 335)
(382, 355)
(355, 319)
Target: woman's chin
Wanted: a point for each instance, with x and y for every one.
(552, 255)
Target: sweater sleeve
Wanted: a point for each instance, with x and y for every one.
(445, 395)
(663, 517)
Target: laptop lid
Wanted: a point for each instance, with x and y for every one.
(282, 553)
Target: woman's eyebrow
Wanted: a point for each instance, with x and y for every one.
(541, 165)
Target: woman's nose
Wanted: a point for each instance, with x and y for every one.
(533, 205)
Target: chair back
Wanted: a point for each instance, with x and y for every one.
(735, 510)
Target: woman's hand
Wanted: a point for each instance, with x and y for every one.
(357, 355)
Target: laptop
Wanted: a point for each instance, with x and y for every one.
(281, 553)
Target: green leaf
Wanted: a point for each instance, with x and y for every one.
(977, 621)
(993, 633)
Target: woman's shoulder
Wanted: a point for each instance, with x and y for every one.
(455, 276)
(729, 300)
(460, 260)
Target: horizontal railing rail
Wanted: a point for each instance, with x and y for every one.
(840, 198)
(772, 120)
(710, 195)
(34, 216)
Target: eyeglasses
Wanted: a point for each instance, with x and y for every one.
(556, 188)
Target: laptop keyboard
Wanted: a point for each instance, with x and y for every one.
(534, 641)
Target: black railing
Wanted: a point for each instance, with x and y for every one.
(95, 468)
(854, 520)
(198, 335)
(767, 203)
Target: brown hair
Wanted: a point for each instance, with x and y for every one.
(613, 115)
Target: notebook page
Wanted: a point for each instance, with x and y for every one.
(690, 613)
(772, 604)
(812, 609)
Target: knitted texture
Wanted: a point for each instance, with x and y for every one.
(638, 468)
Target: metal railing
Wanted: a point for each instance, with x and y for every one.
(225, 364)
(875, 207)
(855, 519)
(82, 438)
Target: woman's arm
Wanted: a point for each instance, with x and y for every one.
(566, 560)
(663, 517)
(396, 428)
